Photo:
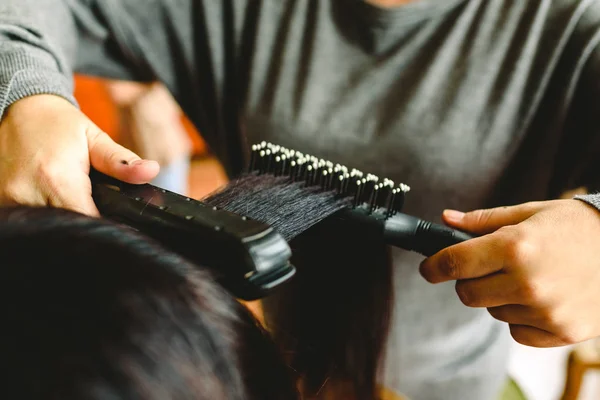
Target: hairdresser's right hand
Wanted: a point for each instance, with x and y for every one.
(46, 147)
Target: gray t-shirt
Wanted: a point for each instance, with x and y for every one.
(472, 103)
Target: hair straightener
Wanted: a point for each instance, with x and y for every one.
(251, 258)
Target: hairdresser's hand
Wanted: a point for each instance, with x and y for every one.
(46, 145)
(536, 267)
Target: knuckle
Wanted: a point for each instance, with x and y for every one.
(451, 265)
(481, 217)
(47, 171)
(532, 292)
(94, 135)
(11, 192)
(549, 318)
(521, 250)
(52, 176)
(115, 155)
(573, 334)
(569, 337)
(465, 294)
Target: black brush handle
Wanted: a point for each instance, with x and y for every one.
(424, 237)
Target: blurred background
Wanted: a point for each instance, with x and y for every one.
(147, 120)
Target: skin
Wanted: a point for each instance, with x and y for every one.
(46, 148)
(535, 267)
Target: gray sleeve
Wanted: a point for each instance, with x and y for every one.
(37, 50)
(591, 199)
(44, 42)
(200, 50)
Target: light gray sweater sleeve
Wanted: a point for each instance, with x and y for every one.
(37, 50)
(180, 43)
(591, 199)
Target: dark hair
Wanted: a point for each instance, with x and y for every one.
(332, 319)
(92, 310)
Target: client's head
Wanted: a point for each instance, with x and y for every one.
(92, 310)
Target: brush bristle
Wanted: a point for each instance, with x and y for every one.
(368, 190)
(289, 207)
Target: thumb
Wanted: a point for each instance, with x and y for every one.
(115, 160)
(486, 221)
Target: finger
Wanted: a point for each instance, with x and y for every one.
(115, 160)
(474, 258)
(517, 314)
(489, 220)
(79, 204)
(493, 290)
(75, 196)
(82, 203)
(535, 337)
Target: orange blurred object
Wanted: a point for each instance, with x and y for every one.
(96, 103)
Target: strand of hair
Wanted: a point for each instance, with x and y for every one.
(365, 189)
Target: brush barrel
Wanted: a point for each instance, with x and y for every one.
(424, 237)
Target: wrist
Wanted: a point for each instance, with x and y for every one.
(24, 75)
(31, 104)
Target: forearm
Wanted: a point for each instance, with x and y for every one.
(37, 50)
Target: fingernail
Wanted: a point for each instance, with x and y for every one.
(453, 215)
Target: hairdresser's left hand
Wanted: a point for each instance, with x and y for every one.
(536, 267)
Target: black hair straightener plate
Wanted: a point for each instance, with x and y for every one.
(250, 258)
